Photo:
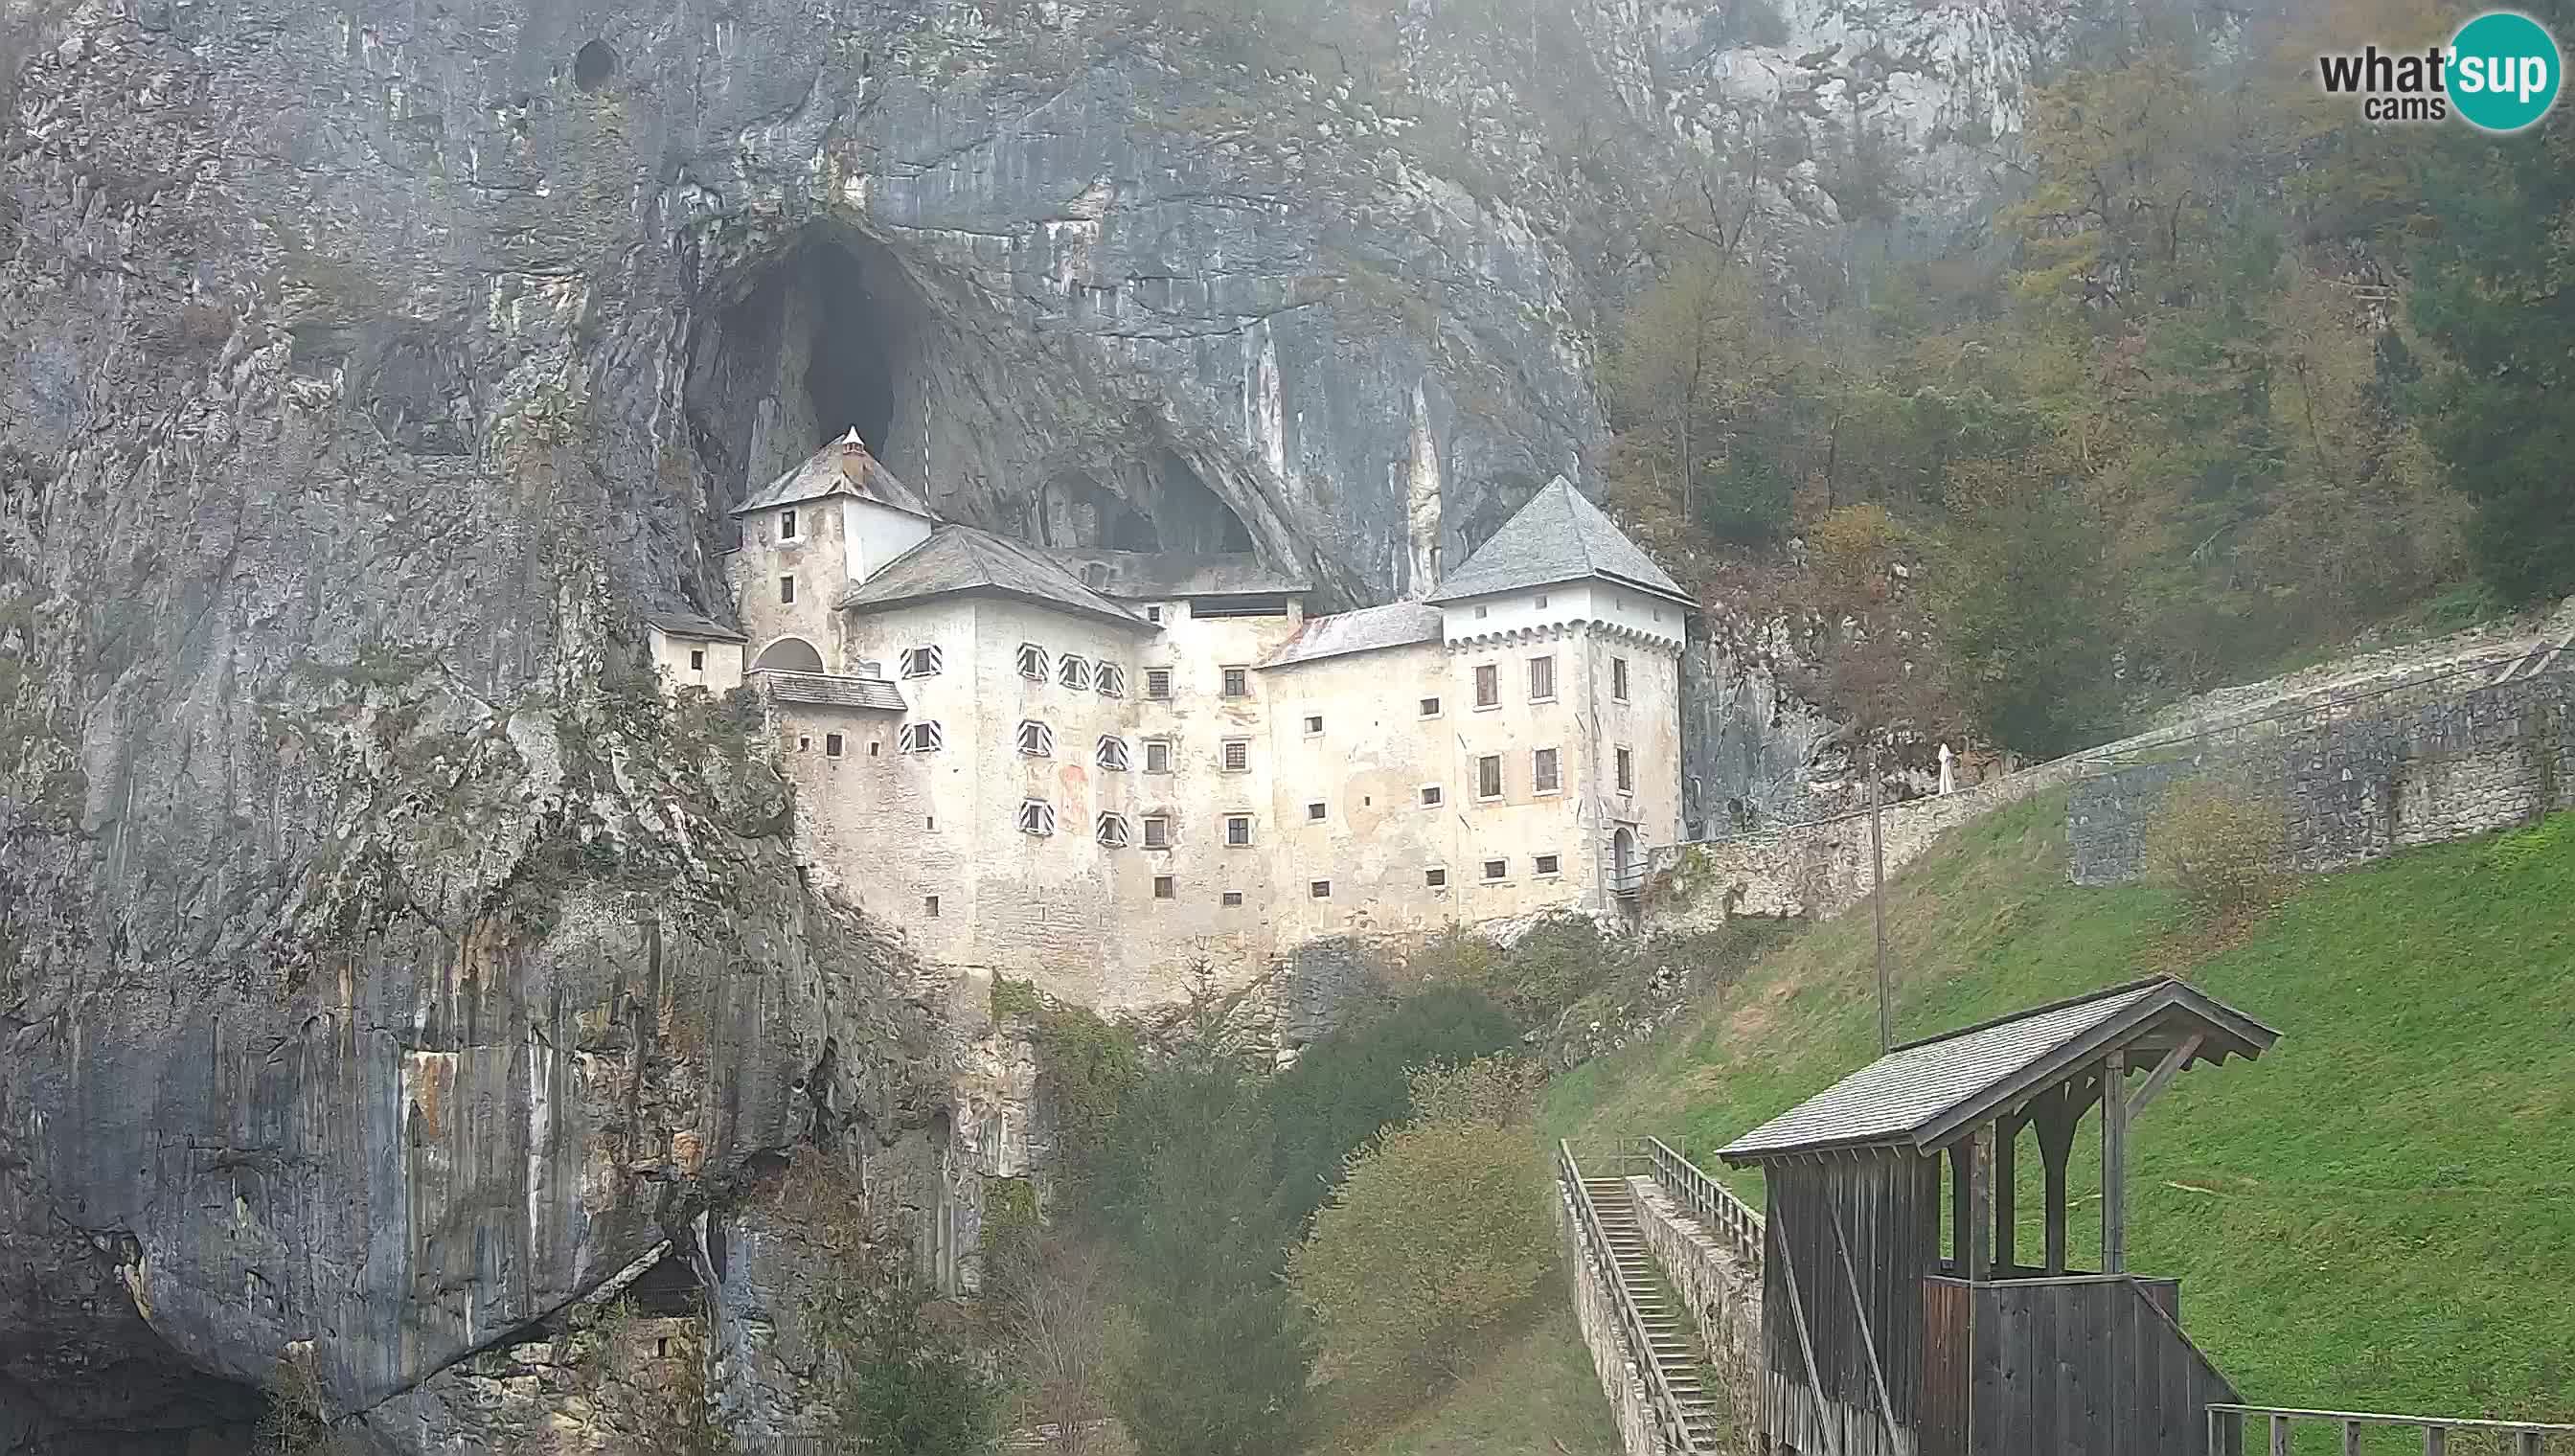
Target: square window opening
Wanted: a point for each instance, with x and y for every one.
(1314, 812)
(1238, 682)
(1032, 661)
(696, 660)
(1431, 796)
(1158, 756)
(1232, 899)
(1237, 831)
(1431, 708)
(1111, 678)
(923, 661)
(830, 746)
(1546, 865)
(1313, 725)
(1158, 683)
(1435, 878)
(1237, 755)
(1157, 831)
(930, 906)
(1321, 889)
(1496, 868)
(1166, 887)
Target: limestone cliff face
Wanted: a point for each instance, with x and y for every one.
(380, 968)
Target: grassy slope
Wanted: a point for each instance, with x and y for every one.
(2380, 1215)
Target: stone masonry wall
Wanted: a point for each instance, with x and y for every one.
(1722, 1291)
(2356, 787)
(1596, 1308)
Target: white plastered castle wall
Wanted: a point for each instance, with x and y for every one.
(815, 558)
(694, 662)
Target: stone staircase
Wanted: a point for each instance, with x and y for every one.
(1673, 1346)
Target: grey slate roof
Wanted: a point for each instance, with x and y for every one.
(1921, 1093)
(690, 624)
(1558, 537)
(830, 690)
(1400, 623)
(842, 468)
(1180, 574)
(955, 560)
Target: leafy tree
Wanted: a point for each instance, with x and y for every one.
(1356, 1081)
(2029, 604)
(2221, 849)
(1405, 1286)
(2496, 291)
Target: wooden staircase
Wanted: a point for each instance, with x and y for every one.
(1672, 1343)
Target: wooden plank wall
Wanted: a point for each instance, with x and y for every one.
(1945, 1370)
(1884, 1212)
(2085, 1368)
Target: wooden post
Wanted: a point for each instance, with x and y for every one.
(2279, 1424)
(2436, 1441)
(2058, 1112)
(1979, 1227)
(2115, 1165)
(2006, 1143)
(2352, 1438)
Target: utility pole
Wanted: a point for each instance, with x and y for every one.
(1877, 909)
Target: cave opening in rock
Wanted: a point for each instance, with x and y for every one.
(823, 340)
(593, 64)
(1188, 513)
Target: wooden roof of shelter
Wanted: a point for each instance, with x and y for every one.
(1925, 1094)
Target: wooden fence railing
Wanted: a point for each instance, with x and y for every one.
(1709, 1201)
(1631, 1320)
(2226, 1428)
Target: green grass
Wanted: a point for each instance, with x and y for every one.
(1537, 1394)
(2378, 1215)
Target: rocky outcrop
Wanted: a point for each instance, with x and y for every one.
(380, 971)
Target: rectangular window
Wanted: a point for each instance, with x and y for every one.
(1237, 831)
(1111, 831)
(1481, 612)
(923, 661)
(830, 746)
(1032, 661)
(1313, 813)
(787, 590)
(1237, 681)
(1037, 816)
(1313, 725)
(1153, 613)
(1232, 899)
(1542, 680)
(696, 660)
(1546, 865)
(1431, 708)
(1496, 868)
(919, 737)
(1158, 683)
(1435, 878)
(930, 906)
(803, 744)
(1237, 754)
(1619, 679)
(1626, 772)
(1321, 889)
(1488, 686)
(1166, 887)
(1036, 741)
(875, 746)
(1157, 831)
(1158, 756)
(1112, 753)
(786, 526)
(1431, 796)
(1488, 777)
(1075, 673)
(1543, 777)
(1110, 679)
(1541, 600)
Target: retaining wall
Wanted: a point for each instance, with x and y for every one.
(1596, 1308)
(2358, 785)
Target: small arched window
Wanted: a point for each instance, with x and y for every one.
(1036, 741)
(1112, 753)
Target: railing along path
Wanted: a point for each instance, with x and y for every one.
(2226, 1425)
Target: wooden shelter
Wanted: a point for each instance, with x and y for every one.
(1880, 1344)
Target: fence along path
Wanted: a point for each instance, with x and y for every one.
(1659, 1336)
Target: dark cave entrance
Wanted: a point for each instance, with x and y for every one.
(825, 339)
(835, 334)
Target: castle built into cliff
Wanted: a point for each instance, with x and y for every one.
(1097, 769)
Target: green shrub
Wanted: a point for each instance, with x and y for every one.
(2219, 848)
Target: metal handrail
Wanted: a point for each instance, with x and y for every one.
(1712, 1203)
(1631, 1321)
(2226, 1428)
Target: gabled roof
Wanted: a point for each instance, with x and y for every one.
(1181, 574)
(1923, 1095)
(1368, 629)
(954, 559)
(691, 626)
(842, 468)
(830, 690)
(1558, 537)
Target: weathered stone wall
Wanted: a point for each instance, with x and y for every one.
(1722, 1292)
(2355, 787)
(1596, 1309)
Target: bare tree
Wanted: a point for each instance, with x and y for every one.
(1051, 1301)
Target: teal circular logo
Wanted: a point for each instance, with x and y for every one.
(2503, 71)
